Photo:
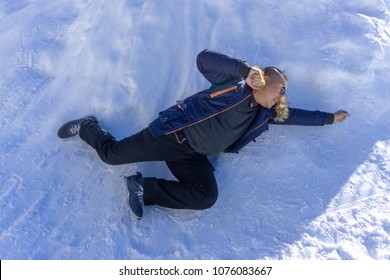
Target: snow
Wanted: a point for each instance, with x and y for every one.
(297, 193)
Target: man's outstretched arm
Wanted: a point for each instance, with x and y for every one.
(313, 118)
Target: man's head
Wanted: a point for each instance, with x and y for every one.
(272, 94)
(275, 86)
(275, 74)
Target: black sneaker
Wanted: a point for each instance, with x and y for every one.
(134, 185)
(72, 128)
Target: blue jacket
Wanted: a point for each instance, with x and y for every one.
(228, 89)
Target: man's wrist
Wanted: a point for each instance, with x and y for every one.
(330, 118)
(244, 70)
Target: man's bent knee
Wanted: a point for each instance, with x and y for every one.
(107, 156)
(208, 200)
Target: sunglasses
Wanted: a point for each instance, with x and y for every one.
(282, 91)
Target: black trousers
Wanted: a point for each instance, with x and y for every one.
(196, 187)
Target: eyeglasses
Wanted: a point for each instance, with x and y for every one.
(282, 91)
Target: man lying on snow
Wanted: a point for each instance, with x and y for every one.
(239, 106)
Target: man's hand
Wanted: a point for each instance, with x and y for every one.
(340, 116)
(254, 79)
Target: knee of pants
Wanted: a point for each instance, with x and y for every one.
(103, 155)
(107, 161)
(209, 199)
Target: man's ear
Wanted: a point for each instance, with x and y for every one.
(267, 79)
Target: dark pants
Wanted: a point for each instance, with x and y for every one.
(196, 187)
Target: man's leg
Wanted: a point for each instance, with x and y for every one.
(136, 148)
(196, 189)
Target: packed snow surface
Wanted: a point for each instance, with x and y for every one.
(297, 193)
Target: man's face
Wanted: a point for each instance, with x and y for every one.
(273, 92)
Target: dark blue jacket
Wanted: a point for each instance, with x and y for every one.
(228, 89)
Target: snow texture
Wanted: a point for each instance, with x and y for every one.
(297, 193)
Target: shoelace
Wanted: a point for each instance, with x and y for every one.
(75, 129)
(140, 194)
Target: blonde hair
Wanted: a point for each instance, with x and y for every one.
(281, 107)
(281, 110)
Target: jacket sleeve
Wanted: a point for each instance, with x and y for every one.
(219, 68)
(307, 118)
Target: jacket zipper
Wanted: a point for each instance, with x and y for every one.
(209, 117)
(253, 130)
(217, 93)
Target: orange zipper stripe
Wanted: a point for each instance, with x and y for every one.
(209, 117)
(217, 93)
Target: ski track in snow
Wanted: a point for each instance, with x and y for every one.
(297, 193)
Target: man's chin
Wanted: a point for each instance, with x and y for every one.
(270, 106)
